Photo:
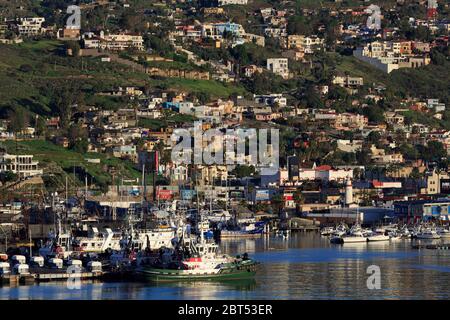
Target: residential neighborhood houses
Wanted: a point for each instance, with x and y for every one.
(351, 118)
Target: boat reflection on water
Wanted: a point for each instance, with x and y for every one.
(210, 286)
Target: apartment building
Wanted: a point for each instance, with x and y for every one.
(22, 165)
(29, 27)
(216, 30)
(348, 81)
(271, 99)
(114, 42)
(306, 43)
(389, 56)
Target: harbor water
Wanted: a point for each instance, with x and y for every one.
(304, 266)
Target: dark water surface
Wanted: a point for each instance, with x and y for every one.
(305, 266)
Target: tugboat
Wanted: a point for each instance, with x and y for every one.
(198, 261)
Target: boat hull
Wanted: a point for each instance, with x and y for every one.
(235, 273)
(378, 238)
(354, 239)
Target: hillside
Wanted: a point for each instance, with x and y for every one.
(28, 70)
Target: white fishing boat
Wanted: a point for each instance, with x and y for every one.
(57, 245)
(152, 239)
(98, 242)
(217, 215)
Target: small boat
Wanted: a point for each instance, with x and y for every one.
(327, 231)
(377, 237)
(428, 235)
(444, 233)
(394, 236)
(354, 238)
(340, 230)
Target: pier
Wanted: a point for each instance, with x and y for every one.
(46, 275)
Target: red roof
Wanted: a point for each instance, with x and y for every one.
(377, 183)
(323, 168)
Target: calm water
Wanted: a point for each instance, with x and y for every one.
(306, 266)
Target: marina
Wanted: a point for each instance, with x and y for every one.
(305, 266)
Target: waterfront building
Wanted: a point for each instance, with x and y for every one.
(423, 209)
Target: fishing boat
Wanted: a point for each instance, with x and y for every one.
(198, 261)
(57, 246)
(153, 239)
(97, 242)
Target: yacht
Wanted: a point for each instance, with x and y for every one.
(327, 231)
(340, 230)
(428, 234)
(377, 237)
(354, 237)
(444, 233)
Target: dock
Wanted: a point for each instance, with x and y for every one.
(432, 246)
(47, 275)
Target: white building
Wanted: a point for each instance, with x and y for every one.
(230, 2)
(325, 173)
(22, 165)
(389, 56)
(114, 42)
(271, 99)
(30, 26)
(278, 66)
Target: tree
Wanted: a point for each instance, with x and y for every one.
(242, 171)
(8, 176)
(72, 48)
(299, 200)
(63, 98)
(278, 203)
(18, 120)
(434, 151)
(415, 174)
(80, 146)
